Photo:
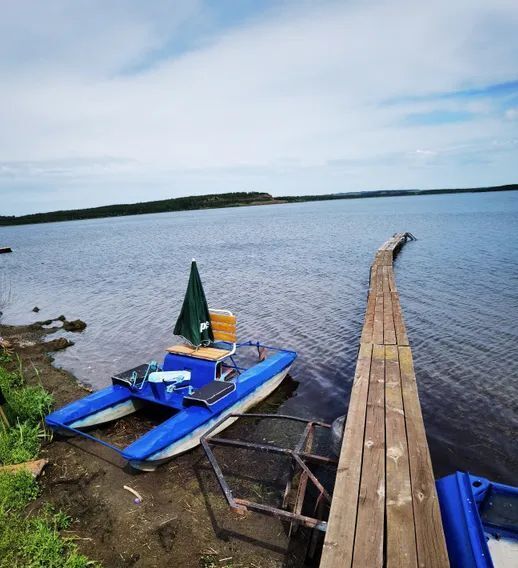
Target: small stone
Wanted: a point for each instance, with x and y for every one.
(58, 344)
(76, 325)
(35, 309)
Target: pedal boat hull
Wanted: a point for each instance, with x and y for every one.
(184, 429)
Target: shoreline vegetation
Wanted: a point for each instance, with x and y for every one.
(215, 201)
(32, 531)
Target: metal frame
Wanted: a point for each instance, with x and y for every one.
(300, 455)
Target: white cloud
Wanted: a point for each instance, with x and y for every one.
(272, 104)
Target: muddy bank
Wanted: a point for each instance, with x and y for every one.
(183, 519)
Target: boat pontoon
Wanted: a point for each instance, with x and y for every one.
(199, 382)
(480, 519)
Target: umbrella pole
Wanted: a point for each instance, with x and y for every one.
(3, 416)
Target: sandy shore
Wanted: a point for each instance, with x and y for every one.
(183, 519)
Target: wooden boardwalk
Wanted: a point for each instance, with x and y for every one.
(384, 510)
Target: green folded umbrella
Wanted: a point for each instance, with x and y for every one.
(194, 321)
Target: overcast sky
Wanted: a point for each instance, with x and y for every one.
(121, 101)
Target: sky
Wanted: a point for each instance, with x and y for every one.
(106, 101)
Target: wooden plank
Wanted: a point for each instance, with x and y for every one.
(339, 539)
(395, 241)
(431, 545)
(389, 331)
(392, 280)
(224, 336)
(399, 324)
(221, 326)
(225, 318)
(210, 353)
(368, 324)
(377, 332)
(370, 525)
(372, 275)
(400, 546)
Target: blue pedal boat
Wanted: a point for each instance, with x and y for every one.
(480, 520)
(200, 382)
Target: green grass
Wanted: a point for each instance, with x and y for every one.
(35, 542)
(20, 443)
(32, 542)
(10, 379)
(5, 357)
(28, 404)
(16, 490)
(28, 540)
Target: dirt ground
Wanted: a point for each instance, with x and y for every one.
(183, 519)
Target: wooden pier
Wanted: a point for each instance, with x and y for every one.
(384, 510)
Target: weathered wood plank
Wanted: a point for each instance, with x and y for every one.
(399, 324)
(377, 332)
(339, 540)
(400, 546)
(392, 279)
(370, 525)
(389, 331)
(431, 545)
(210, 353)
(368, 324)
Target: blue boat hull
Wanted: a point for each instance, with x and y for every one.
(183, 430)
(480, 520)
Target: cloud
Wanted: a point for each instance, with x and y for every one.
(108, 102)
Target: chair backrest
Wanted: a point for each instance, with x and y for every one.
(224, 325)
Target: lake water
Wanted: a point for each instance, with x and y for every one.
(297, 276)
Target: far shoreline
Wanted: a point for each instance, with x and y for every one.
(224, 201)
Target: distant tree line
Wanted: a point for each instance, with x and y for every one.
(391, 193)
(177, 204)
(215, 200)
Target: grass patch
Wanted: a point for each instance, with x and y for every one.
(28, 541)
(26, 404)
(29, 404)
(10, 379)
(5, 357)
(20, 443)
(17, 489)
(35, 542)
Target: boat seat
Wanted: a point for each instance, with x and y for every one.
(209, 353)
(209, 394)
(133, 376)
